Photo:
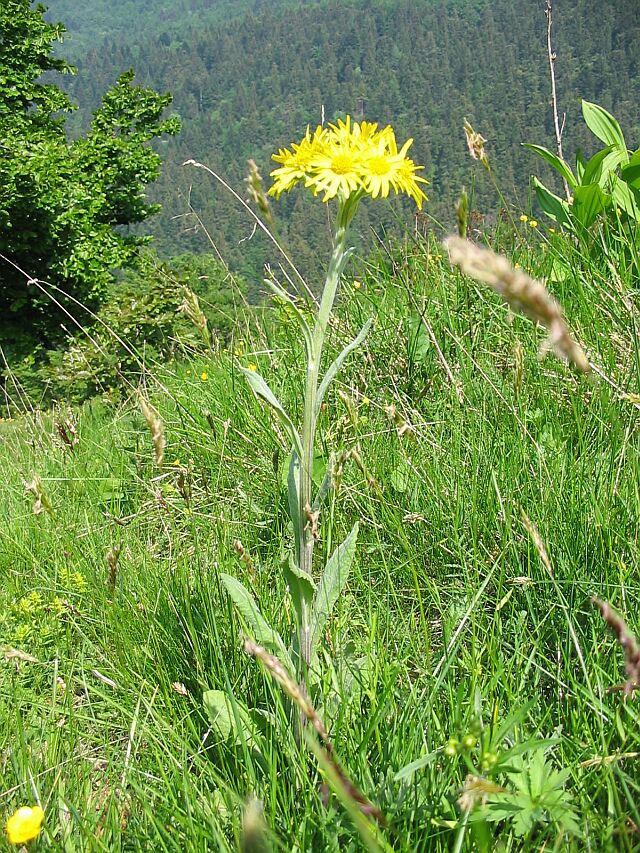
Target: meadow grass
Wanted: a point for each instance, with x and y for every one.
(451, 627)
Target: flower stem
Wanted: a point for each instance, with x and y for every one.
(305, 534)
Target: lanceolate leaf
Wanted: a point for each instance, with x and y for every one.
(332, 582)
(558, 164)
(337, 364)
(262, 390)
(261, 631)
(293, 494)
(605, 127)
(301, 587)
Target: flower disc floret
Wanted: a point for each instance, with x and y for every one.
(349, 158)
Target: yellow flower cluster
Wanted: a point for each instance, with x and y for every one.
(349, 158)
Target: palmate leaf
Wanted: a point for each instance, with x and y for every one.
(333, 580)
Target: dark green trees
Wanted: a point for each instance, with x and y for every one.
(65, 206)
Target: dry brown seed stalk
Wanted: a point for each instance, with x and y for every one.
(295, 692)
(475, 144)
(521, 292)
(156, 429)
(627, 641)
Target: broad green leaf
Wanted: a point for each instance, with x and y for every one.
(333, 580)
(581, 164)
(337, 364)
(554, 207)
(558, 164)
(418, 343)
(631, 173)
(261, 631)
(603, 125)
(626, 199)
(237, 727)
(262, 390)
(588, 203)
(600, 166)
(301, 587)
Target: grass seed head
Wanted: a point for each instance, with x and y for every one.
(156, 428)
(522, 293)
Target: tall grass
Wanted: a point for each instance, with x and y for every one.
(468, 642)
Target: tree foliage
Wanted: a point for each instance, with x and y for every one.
(65, 205)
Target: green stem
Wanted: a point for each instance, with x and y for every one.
(314, 356)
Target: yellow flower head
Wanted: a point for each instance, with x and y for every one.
(533, 223)
(524, 217)
(25, 824)
(204, 376)
(349, 158)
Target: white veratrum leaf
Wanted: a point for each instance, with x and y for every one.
(332, 371)
(229, 717)
(262, 632)
(555, 207)
(262, 390)
(603, 125)
(333, 580)
(558, 164)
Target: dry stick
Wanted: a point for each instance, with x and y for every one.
(554, 98)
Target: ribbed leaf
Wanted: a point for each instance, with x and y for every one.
(603, 125)
(558, 164)
(332, 582)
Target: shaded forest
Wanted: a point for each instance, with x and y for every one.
(248, 86)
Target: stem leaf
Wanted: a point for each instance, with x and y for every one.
(332, 371)
(262, 390)
(301, 587)
(246, 605)
(332, 582)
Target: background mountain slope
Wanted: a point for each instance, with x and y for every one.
(248, 85)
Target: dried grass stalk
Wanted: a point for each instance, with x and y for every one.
(627, 641)
(522, 293)
(297, 695)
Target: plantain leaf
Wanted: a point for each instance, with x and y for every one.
(603, 125)
(333, 580)
(262, 390)
(260, 629)
(558, 164)
(229, 717)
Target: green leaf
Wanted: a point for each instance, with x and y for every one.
(558, 164)
(260, 629)
(631, 172)
(333, 580)
(293, 495)
(603, 125)
(418, 343)
(301, 587)
(626, 199)
(554, 207)
(408, 770)
(238, 727)
(262, 390)
(598, 169)
(588, 203)
(337, 364)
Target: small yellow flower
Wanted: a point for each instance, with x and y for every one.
(365, 401)
(524, 217)
(25, 824)
(552, 230)
(517, 267)
(533, 223)
(252, 367)
(176, 462)
(204, 376)
(357, 285)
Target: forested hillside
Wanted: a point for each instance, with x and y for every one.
(245, 87)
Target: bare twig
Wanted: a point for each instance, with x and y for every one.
(554, 98)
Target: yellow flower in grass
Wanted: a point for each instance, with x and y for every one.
(349, 158)
(25, 824)
(524, 217)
